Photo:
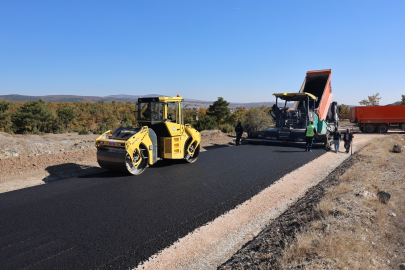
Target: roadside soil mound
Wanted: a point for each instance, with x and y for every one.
(35, 145)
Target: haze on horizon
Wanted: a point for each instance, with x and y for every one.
(243, 51)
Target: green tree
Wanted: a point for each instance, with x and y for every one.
(219, 110)
(205, 123)
(403, 100)
(126, 121)
(5, 115)
(34, 116)
(66, 115)
(238, 116)
(373, 100)
(344, 112)
(259, 118)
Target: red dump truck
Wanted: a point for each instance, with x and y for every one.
(378, 118)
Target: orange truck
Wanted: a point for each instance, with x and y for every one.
(378, 118)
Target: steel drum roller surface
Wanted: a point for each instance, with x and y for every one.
(112, 159)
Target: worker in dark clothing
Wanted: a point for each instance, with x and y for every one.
(348, 138)
(310, 131)
(337, 136)
(239, 132)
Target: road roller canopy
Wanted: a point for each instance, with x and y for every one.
(295, 96)
(160, 109)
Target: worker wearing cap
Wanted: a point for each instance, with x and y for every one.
(310, 131)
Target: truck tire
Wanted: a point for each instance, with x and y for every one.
(369, 128)
(382, 128)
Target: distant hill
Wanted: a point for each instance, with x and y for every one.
(396, 103)
(188, 103)
(134, 96)
(66, 98)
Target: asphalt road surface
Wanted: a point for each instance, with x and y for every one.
(110, 221)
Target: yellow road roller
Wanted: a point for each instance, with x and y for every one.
(162, 134)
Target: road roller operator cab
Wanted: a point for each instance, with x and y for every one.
(162, 134)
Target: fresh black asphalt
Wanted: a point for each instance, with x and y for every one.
(110, 221)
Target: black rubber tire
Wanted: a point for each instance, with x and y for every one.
(369, 128)
(187, 157)
(141, 167)
(382, 128)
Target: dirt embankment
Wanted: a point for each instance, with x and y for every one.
(340, 223)
(28, 160)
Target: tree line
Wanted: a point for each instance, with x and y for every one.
(40, 117)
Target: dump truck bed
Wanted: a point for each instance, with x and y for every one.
(318, 83)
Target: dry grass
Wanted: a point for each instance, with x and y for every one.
(358, 232)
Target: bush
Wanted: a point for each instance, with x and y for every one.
(37, 132)
(84, 131)
(226, 128)
(102, 128)
(8, 130)
(59, 131)
(206, 123)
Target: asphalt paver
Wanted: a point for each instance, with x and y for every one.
(111, 221)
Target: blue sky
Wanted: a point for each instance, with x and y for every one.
(243, 51)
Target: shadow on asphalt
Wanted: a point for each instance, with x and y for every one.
(68, 170)
(216, 146)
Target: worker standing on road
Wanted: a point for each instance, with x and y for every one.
(337, 136)
(239, 132)
(348, 138)
(310, 131)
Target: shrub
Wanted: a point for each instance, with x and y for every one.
(8, 130)
(206, 123)
(102, 128)
(226, 128)
(37, 132)
(84, 131)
